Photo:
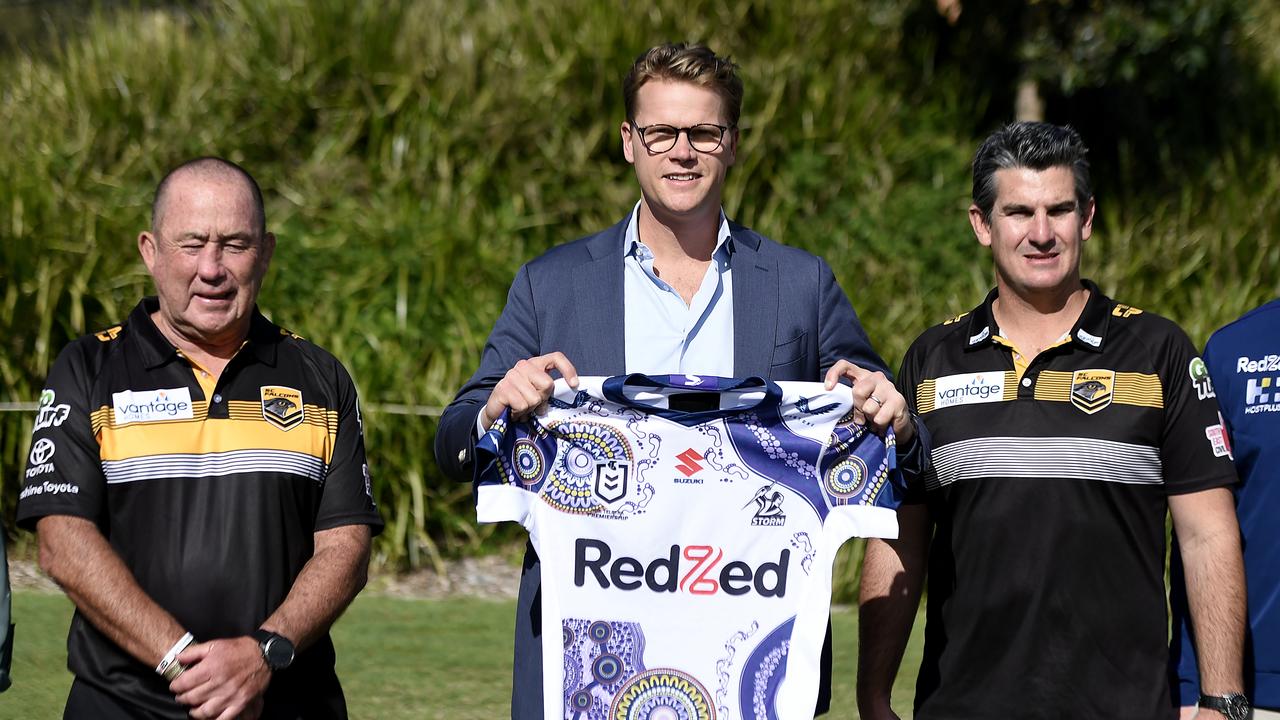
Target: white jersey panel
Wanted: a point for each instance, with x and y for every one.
(687, 528)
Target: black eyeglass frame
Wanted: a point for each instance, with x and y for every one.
(641, 130)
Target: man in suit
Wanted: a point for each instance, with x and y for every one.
(672, 288)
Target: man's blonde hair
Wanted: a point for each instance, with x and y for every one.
(682, 62)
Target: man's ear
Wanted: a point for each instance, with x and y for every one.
(981, 229)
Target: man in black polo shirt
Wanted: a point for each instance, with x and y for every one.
(1064, 425)
(198, 481)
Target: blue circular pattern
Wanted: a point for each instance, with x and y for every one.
(529, 462)
(581, 701)
(607, 668)
(847, 477)
(600, 631)
(571, 484)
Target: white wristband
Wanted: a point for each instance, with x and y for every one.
(169, 667)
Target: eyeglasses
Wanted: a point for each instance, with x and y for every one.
(704, 137)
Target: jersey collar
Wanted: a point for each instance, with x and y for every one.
(1089, 333)
(156, 350)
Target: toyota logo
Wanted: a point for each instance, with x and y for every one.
(41, 451)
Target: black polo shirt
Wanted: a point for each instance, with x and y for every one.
(1048, 491)
(210, 498)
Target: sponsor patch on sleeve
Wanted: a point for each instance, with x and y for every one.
(1218, 440)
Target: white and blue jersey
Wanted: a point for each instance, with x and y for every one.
(687, 528)
(1243, 362)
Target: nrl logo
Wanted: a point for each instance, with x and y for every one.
(611, 480)
(282, 406)
(1091, 390)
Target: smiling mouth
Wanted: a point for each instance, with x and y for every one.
(215, 297)
(681, 177)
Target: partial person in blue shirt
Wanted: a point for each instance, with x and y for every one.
(1242, 361)
(674, 288)
(6, 626)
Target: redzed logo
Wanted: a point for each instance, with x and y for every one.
(703, 574)
(690, 465)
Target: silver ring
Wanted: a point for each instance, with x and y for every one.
(877, 401)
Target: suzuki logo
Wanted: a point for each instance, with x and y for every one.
(689, 465)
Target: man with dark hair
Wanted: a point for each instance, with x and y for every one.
(674, 287)
(1064, 426)
(198, 482)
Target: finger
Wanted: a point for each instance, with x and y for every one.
(561, 363)
(836, 372)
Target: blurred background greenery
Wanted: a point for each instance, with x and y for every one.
(415, 152)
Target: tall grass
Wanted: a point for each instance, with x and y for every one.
(415, 152)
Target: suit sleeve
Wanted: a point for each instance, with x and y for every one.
(908, 380)
(841, 336)
(840, 333)
(514, 338)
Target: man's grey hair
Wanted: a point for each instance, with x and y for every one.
(207, 167)
(1033, 145)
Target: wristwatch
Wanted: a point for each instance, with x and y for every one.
(277, 651)
(1232, 705)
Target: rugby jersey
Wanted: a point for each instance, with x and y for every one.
(210, 493)
(1048, 491)
(1243, 361)
(687, 527)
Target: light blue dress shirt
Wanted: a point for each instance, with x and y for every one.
(662, 334)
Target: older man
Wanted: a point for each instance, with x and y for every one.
(674, 287)
(198, 481)
(1065, 426)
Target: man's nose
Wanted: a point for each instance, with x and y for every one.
(209, 266)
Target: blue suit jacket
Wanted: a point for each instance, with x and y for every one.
(791, 321)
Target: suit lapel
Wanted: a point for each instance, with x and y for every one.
(755, 305)
(599, 296)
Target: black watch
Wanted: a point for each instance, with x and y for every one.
(1232, 705)
(276, 649)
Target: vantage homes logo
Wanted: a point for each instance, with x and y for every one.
(133, 406)
(693, 569)
(968, 389)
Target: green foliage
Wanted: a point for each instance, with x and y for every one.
(416, 152)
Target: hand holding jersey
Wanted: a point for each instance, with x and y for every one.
(687, 527)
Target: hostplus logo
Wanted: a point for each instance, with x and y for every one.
(1262, 395)
(693, 569)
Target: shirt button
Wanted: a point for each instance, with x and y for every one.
(217, 399)
(1026, 382)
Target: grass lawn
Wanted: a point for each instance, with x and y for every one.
(398, 658)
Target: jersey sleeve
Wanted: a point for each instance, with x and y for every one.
(348, 485)
(64, 465)
(1194, 449)
(861, 480)
(513, 464)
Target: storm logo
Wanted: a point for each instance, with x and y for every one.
(282, 406)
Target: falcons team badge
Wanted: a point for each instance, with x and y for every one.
(282, 406)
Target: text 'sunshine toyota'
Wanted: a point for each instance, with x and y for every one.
(687, 528)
